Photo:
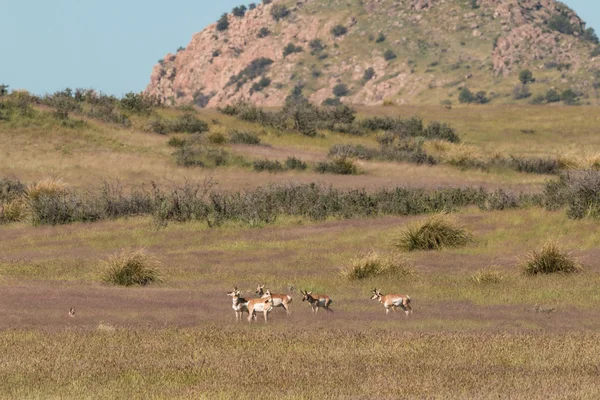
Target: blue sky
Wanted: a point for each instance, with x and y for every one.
(111, 45)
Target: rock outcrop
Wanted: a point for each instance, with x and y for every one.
(415, 50)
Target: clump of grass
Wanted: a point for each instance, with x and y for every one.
(267, 165)
(216, 138)
(47, 187)
(550, 259)
(13, 211)
(376, 264)
(339, 165)
(488, 276)
(437, 232)
(243, 137)
(132, 267)
(292, 163)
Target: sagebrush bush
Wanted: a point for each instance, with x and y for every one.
(244, 137)
(216, 138)
(339, 165)
(293, 163)
(131, 268)
(488, 276)
(374, 264)
(267, 165)
(550, 259)
(435, 233)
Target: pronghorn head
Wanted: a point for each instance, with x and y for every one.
(376, 294)
(268, 293)
(305, 295)
(260, 290)
(234, 293)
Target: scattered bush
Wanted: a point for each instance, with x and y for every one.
(353, 151)
(590, 35)
(374, 264)
(293, 163)
(332, 102)
(316, 46)
(291, 48)
(3, 90)
(239, 11)
(389, 55)
(279, 11)
(132, 267)
(340, 90)
(176, 141)
(561, 23)
(255, 69)
(436, 233)
(197, 153)
(267, 165)
(223, 23)
(550, 259)
(552, 96)
(521, 92)
(263, 83)
(263, 33)
(243, 137)
(569, 97)
(139, 103)
(526, 76)
(339, 165)
(369, 74)
(380, 38)
(466, 96)
(216, 138)
(339, 30)
(595, 52)
(578, 190)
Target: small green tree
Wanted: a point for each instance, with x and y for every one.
(569, 97)
(223, 23)
(369, 74)
(339, 30)
(239, 11)
(263, 33)
(380, 38)
(3, 90)
(466, 96)
(340, 90)
(552, 96)
(389, 55)
(279, 11)
(526, 76)
(561, 23)
(316, 46)
(590, 35)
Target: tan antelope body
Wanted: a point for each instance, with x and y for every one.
(279, 300)
(393, 301)
(264, 305)
(317, 301)
(239, 304)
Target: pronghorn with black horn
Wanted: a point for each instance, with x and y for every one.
(239, 304)
(264, 305)
(279, 300)
(393, 301)
(317, 300)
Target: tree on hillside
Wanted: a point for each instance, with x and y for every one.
(526, 76)
(223, 23)
(3, 90)
(239, 11)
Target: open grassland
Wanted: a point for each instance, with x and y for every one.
(481, 327)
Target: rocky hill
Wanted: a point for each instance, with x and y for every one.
(372, 51)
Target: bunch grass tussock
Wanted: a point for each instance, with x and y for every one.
(437, 232)
(488, 276)
(372, 264)
(131, 268)
(13, 211)
(550, 259)
(50, 187)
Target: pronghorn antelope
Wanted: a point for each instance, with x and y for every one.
(264, 305)
(279, 300)
(392, 301)
(72, 312)
(239, 304)
(317, 300)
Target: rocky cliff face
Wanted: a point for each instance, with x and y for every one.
(417, 51)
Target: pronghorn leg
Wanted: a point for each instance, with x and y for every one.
(251, 316)
(266, 316)
(287, 309)
(316, 309)
(387, 310)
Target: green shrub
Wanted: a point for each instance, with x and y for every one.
(176, 141)
(316, 46)
(263, 33)
(139, 103)
(132, 268)
(590, 35)
(340, 90)
(353, 151)
(595, 52)
(380, 38)
(267, 165)
(369, 74)
(223, 23)
(197, 153)
(291, 48)
(243, 137)
(389, 55)
(279, 11)
(216, 138)
(293, 163)
(374, 264)
(569, 97)
(561, 23)
(552, 96)
(339, 30)
(550, 259)
(436, 233)
(252, 71)
(339, 165)
(239, 11)
(521, 92)
(332, 102)
(526, 76)
(3, 90)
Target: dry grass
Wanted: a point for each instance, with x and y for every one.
(437, 232)
(550, 259)
(48, 187)
(488, 276)
(132, 267)
(374, 264)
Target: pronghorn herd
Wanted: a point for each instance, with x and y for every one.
(267, 301)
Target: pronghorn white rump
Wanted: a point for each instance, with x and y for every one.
(279, 300)
(393, 301)
(317, 301)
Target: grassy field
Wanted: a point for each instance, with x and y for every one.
(515, 336)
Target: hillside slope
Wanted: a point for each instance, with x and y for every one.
(420, 51)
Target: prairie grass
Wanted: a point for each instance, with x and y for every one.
(374, 264)
(550, 259)
(50, 187)
(132, 267)
(488, 276)
(435, 233)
